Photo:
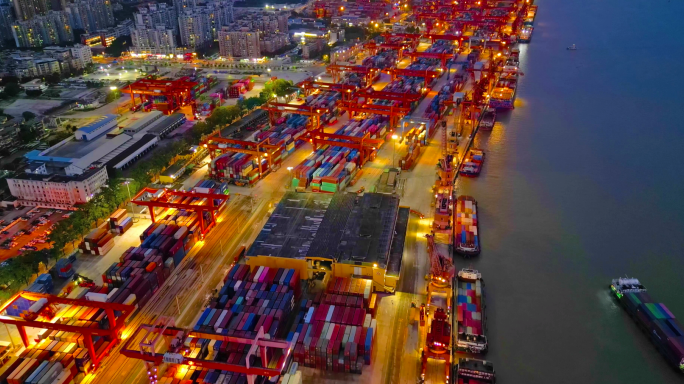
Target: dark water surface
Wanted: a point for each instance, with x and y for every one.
(584, 183)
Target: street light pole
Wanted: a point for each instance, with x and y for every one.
(130, 200)
(394, 147)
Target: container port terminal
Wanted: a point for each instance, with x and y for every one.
(326, 243)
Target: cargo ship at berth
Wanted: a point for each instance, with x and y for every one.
(503, 95)
(473, 371)
(470, 312)
(472, 164)
(526, 34)
(466, 239)
(655, 319)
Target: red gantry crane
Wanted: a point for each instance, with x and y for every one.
(394, 113)
(309, 85)
(189, 201)
(45, 313)
(261, 347)
(263, 150)
(365, 145)
(336, 71)
(276, 109)
(405, 98)
(178, 93)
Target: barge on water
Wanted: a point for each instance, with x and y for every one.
(503, 95)
(654, 318)
(466, 239)
(470, 312)
(472, 165)
(473, 371)
(526, 34)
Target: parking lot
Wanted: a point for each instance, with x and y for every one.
(29, 229)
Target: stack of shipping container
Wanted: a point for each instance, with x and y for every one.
(466, 223)
(329, 169)
(48, 362)
(240, 87)
(238, 168)
(242, 168)
(469, 308)
(384, 59)
(413, 141)
(337, 329)
(325, 101)
(98, 242)
(120, 222)
(249, 300)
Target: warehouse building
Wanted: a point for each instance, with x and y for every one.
(166, 124)
(342, 234)
(143, 122)
(96, 128)
(131, 154)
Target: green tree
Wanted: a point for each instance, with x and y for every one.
(52, 93)
(53, 78)
(28, 115)
(278, 87)
(118, 46)
(12, 89)
(253, 102)
(113, 95)
(33, 92)
(26, 134)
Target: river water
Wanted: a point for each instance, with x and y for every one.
(584, 183)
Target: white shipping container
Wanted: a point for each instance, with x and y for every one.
(130, 299)
(110, 294)
(52, 374)
(100, 297)
(328, 317)
(63, 378)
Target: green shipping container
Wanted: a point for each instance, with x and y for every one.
(329, 189)
(655, 311)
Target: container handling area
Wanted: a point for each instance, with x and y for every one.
(335, 235)
(74, 335)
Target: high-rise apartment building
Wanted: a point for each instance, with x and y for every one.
(6, 21)
(195, 28)
(184, 5)
(51, 29)
(158, 40)
(90, 15)
(81, 55)
(238, 44)
(27, 9)
(150, 16)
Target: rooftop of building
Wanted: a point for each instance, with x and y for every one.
(56, 178)
(234, 128)
(174, 168)
(160, 125)
(97, 124)
(342, 227)
(144, 140)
